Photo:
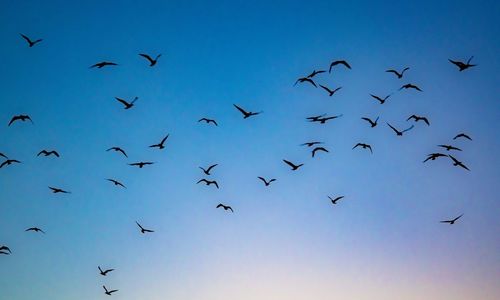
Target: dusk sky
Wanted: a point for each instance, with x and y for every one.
(287, 241)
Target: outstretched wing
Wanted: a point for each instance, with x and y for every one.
(240, 109)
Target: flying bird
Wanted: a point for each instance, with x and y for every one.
(310, 144)
(463, 66)
(399, 75)
(161, 144)
(208, 121)
(8, 162)
(462, 135)
(116, 182)
(305, 79)
(30, 42)
(314, 73)
(152, 61)
(118, 149)
(419, 118)
(410, 86)
(108, 292)
(127, 105)
(334, 200)
(323, 120)
(245, 113)
(292, 165)
(103, 64)
(372, 123)
(143, 230)
(141, 164)
(329, 91)
(48, 153)
(458, 163)
(364, 146)
(338, 62)
(400, 133)
(35, 229)
(451, 222)
(266, 182)
(208, 182)
(105, 272)
(20, 118)
(207, 170)
(380, 99)
(4, 250)
(315, 118)
(450, 147)
(434, 156)
(318, 149)
(58, 190)
(225, 207)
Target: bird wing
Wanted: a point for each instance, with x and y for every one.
(211, 167)
(289, 163)
(240, 109)
(164, 139)
(147, 57)
(122, 101)
(325, 88)
(393, 71)
(409, 128)
(395, 130)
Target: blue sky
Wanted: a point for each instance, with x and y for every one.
(287, 241)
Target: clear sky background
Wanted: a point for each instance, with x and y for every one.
(283, 242)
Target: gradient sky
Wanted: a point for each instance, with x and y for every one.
(284, 242)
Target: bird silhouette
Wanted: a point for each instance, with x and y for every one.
(4, 250)
(334, 200)
(364, 146)
(245, 113)
(161, 144)
(314, 73)
(462, 135)
(143, 230)
(208, 182)
(400, 133)
(399, 75)
(318, 149)
(458, 163)
(118, 149)
(450, 147)
(127, 105)
(329, 91)
(35, 229)
(381, 100)
(152, 61)
(48, 153)
(208, 121)
(419, 118)
(225, 207)
(20, 118)
(292, 165)
(8, 162)
(305, 79)
(410, 86)
(451, 222)
(116, 182)
(103, 64)
(310, 144)
(58, 190)
(105, 272)
(30, 42)
(372, 123)
(338, 62)
(108, 292)
(315, 118)
(463, 66)
(207, 170)
(141, 164)
(266, 182)
(434, 156)
(323, 120)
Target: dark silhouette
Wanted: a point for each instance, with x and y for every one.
(103, 64)
(127, 105)
(372, 123)
(8, 162)
(30, 42)
(410, 86)
(245, 113)
(141, 164)
(35, 229)
(266, 182)
(458, 163)
(118, 149)
(400, 133)
(330, 92)
(315, 118)
(323, 120)
(451, 222)
(305, 79)
(338, 62)
(48, 153)
(314, 73)
(4, 249)
(419, 118)
(463, 66)
(58, 190)
(207, 171)
(381, 100)
(292, 165)
(161, 144)
(20, 118)
(208, 182)
(108, 292)
(399, 75)
(116, 182)
(310, 144)
(3, 155)
(462, 135)
(318, 149)
(104, 273)
(364, 146)
(334, 201)
(152, 62)
(433, 156)
(225, 207)
(208, 121)
(143, 230)
(450, 147)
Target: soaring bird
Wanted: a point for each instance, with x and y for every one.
(127, 105)
(161, 144)
(208, 121)
(8, 162)
(20, 118)
(318, 149)
(208, 182)
(380, 99)
(450, 147)
(451, 222)
(207, 170)
(48, 153)
(30, 42)
(334, 200)
(458, 163)
(4, 250)
(400, 133)
(103, 64)
(462, 135)
(108, 292)
(434, 156)
(225, 207)
(292, 165)
(116, 182)
(58, 190)
(315, 118)
(329, 91)
(410, 86)
(463, 66)
(400, 75)
(364, 146)
(266, 182)
(141, 164)
(372, 123)
(143, 230)
(314, 73)
(35, 229)
(152, 61)
(245, 113)
(419, 118)
(305, 79)
(103, 273)
(323, 120)
(118, 149)
(338, 62)
(310, 144)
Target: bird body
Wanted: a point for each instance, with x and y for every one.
(380, 99)
(103, 64)
(434, 156)
(266, 182)
(419, 118)
(20, 118)
(329, 91)
(58, 190)
(400, 133)
(461, 65)
(8, 162)
(208, 121)
(30, 42)
(463, 135)
(338, 62)
(364, 146)
(372, 123)
(118, 149)
(245, 113)
(48, 153)
(152, 61)
(208, 182)
(334, 200)
(318, 149)
(458, 163)
(160, 145)
(225, 207)
(398, 74)
(451, 222)
(141, 164)
(305, 79)
(127, 105)
(410, 86)
(35, 229)
(105, 272)
(116, 182)
(143, 230)
(108, 292)
(207, 170)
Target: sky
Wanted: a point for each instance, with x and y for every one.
(384, 240)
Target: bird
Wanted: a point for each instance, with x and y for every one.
(433, 156)
(318, 149)
(462, 135)
(152, 61)
(450, 147)
(338, 62)
(314, 73)
(245, 113)
(141, 164)
(381, 100)
(143, 230)
(310, 144)
(116, 182)
(108, 292)
(315, 118)
(105, 272)
(463, 66)
(400, 133)
(161, 144)
(8, 162)
(419, 118)
(458, 163)
(58, 190)
(20, 118)
(118, 149)
(410, 86)
(30, 42)
(266, 182)
(399, 75)
(35, 229)
(364, 146)
(208, 121)
(372, 123)
(127, 105)
(225, 207)
(48, 153)
(292, 165)
(451, 222)
(330, 92)
(4, 250)
(3, 155)
(323, 120)
(334, 201)
(305, 79)
(207, 170)
(208, 182)
(103, 64)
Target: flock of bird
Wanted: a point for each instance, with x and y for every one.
(315, 146)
